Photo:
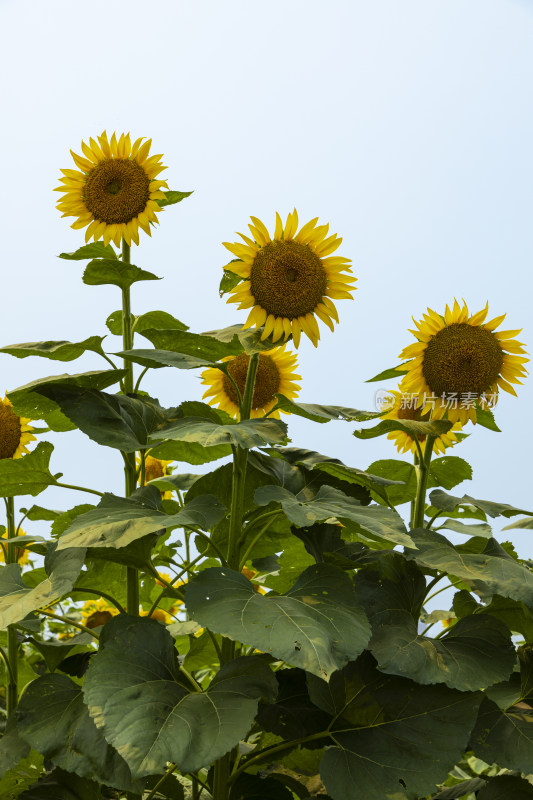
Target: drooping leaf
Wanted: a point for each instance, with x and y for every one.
(17, 600)
(462, 789)
(413, 427)
(54, 720)
(292, 715)
(172, 197)
(319, 413)
(481, 529)
(39, 513)
(504, 737)
(92, 250)
(56, 351)
(136, 676)
(256, 787)
(247, 434)
(61, 785)
(202, 346)
(485, 417)
(504, 787)
(317, 625)
(164, 358)
(523, 524)
(55, 650)
(385, 729)
(328, 502)
(190, 452)
(117, 521)
(27, 475)
(105, 271)
(375, 483)
(448, 502)
(517, 617)
(387, 374)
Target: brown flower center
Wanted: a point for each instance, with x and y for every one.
(98, 618)
(267, 380)
(153, 469)
(287, 279)
(116, 190)
(10, 431)
(462, 358)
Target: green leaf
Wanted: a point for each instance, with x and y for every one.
(202, 346)
(462, 789)
(387, 374)
(109, 271)
(39, 513)
(502, 787)
(485, 417)
(190, 452)
(386, 729)
(56, 351)
(60, 785)
(12, 748)
(456, 525)
(292, 715)
(149, 320)
(93, 250)
(28, 403)
(247, 434)
(228, 281)
(172, 197)
(136, 676)
(27, 475)
(402, 473)
(54, 720)
(55, 650)
(413, 427)
(448, 471)
(117, 421)
(117, 521)
(524, 524)
(486, 571)
(448, 502)
(247, 339)
(316, 625)
(328, 502)
(164, 358)
(17, 600)
(517, 617)
(505, 737)
(374, 483)
(21, 776)
(319, 413)
(254, 787)
(292, 562)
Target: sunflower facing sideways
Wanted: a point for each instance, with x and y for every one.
(15, 432)
(458, 360)
(275, 375)
(400, 406)
(290, 279)
(115, 189)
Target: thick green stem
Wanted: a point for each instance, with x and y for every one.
(12, 641)
(221, 788)
(130, 470)
(422, 473)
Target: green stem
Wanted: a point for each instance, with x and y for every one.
(222, 767)
(170, 770)
(12, 641)
(100, 593)
(68, 621)
(78, 488)
(130, 470)
(422, 473)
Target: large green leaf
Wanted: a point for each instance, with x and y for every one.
(493, 573)
(164, 358)
(448, 502)
(413, 427)
(117, 521)
(27, 402)
(247, 434)
(136, 695)
(381, 486)
(403, 473)
(148, 320)
(317, 625)
(505, 737)
(12, 748)
(328, 502)
(21, 776)
(292, 715)
(61, 785)
(54, 720)
(17, 600)
(517, 617)
(202, 346)
(190, 452)
(56, 351)
(504, 787)
(105, 271)
(93, 250)
(385, 729)
(27, 475)
(481, 529)
(319, 413)
(124, 423)
(448, 471)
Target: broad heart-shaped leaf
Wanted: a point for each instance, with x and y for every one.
(164, 358)
(112, 271)
(190, 452)
(27, 475)
(134, 692)
(492, 573)
(56, 351)
(118, 421)
(117, 521)
(375, 483)
(172, 197)
(319, 413)
(505, 737)
(28, 403)
(517, 617)
(316, 625)
(93, 250)
(448, 502)
(410, 426)
(328, 502)
(247, 434)
(17, 600)
(148, 320)
(485, 417)
(448, 471)
(61, 785)
(54, 720)
(504, 787)
(198, 345)
(292, 715)
(385, 729)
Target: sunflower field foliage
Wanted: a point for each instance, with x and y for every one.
(250, 620)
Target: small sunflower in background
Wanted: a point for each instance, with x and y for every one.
(22, 554)
(460, 360)
(115, 189)
(15, 432)
(290, 279)
(275, 375)
(154, 468)
(95, 613)
(401, 406)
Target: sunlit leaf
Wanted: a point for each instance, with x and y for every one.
(247, 434)
(172, 197)
(55, 351)
(27, 475)
(104, 271)
(319, 413)
(92, 250)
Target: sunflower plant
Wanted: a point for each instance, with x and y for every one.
(266, 625)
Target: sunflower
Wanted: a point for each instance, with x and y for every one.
(15, 432)
(95, 613)
(154, 468)
(275, 375)
(23, 555)
(460, 360)
(115, 189)
(401, 406)
(291, 279)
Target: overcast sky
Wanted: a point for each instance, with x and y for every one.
(406, 124)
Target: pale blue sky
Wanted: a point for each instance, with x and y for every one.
(407, 124)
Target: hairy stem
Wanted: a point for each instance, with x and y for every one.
(12, 641)
(422, 473)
